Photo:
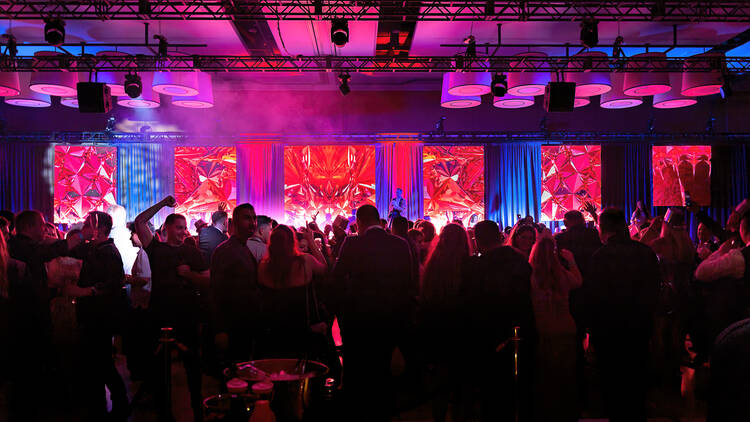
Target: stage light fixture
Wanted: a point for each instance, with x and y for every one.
(133, 85)
(144, 7)
(589, 32)
(499, 85)
(340, 32)
(54, 31)
(344, 83)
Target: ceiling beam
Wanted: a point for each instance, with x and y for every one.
(393, 10)
(389, 64)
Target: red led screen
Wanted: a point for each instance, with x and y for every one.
(453, 184)
(680, 169)
(327, 180)
(85, 180)
(203, 178)
(571, 175)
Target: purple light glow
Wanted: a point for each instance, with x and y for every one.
(509, 101)
(464, 84)
(622, 103)
(581, 102)
(69, 102)
(682, 102)
(184, 84)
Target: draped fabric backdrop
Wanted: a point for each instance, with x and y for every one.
(513, 181)
(730, 180)
(260, 177)
(399, 165)
(27, 177)
(626, 177)
(145, 175)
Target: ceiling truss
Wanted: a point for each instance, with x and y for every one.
(383, 10)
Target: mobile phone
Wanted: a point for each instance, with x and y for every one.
(668, 216)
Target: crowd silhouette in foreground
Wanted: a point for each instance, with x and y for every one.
(491, 323)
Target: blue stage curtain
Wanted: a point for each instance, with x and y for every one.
(260, 177)
(626, 177)
(399, 165)
(27, 177)
(513, 181)
(145, 175)
(730, 180)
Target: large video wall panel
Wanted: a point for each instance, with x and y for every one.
(204, 177)
(571, 176)
(453, 184)
(681, 171)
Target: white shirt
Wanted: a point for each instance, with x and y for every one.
(141, 268)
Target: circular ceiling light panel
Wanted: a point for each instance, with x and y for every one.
(524, 83)
(646, 83)
(469, 84)
(594, 78)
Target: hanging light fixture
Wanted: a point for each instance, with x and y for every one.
(148, 98)
(183, 84)
(26, 97)
(646, 83)
(615, 98)
(527, 82)
(469, 84)
(204, 99)
(57, 83)
(594, 79)
(115, 80)
(510, 101)
(453, 101)
(69, 102)
(674, 98)
(581, 102)
(705, 82)
(9, 85)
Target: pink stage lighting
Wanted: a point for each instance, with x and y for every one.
(204, 177)
(85, 180)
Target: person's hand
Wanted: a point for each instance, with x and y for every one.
(307, 234)
(656, 223)
(223, 206)
(733, 222)
(221, 340)
(314, 227)
(567, 256)
(590, 208)
(727, 246)
(183, 270)
(169, 201)
(327, 229)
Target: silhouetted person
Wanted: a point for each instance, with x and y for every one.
(498, 298)
(212, 236)
(258, 242)
(729, 385)
(234, 287)
(375, 308)
(178, 272)
(620, 293)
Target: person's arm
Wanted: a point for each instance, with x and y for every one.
(141, 221)
(318, 262)
(574, 274)
(199, 278)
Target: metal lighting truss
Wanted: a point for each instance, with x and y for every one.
(728, 65)
(382, 10)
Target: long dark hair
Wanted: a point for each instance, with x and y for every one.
(547, 269)
(442, 274)
(282, 254)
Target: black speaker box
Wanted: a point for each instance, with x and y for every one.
(94, 97)
(559, 96)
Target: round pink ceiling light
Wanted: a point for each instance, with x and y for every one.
(469, 84)
(510, 101)
(527, 83)
(115, 80)
(69, 102)
(708, 82)
(453, 101)
(581, 102)
(646, 83)
(615, 98)
(147, 99)
(26, 97)
(183, 84)
(61, 84)
(673, 98)
(595, 79)
(204, 99)
(9, 85)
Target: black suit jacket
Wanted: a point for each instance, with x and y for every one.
(374, 282)
(208, 240)
(582, 242)
(621, 289)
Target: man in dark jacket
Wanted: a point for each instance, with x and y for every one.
(620, 293)
(497, 291)
(211, 237)
(234, 287)
(374, 277)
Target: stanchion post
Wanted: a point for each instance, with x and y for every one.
(166, 339)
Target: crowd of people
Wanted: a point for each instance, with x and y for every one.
(503, 319)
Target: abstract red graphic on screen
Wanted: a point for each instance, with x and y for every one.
(571, 176)
(84, 181)
(453, 184)
(681, 169)
(327, 180)
(203, 178)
